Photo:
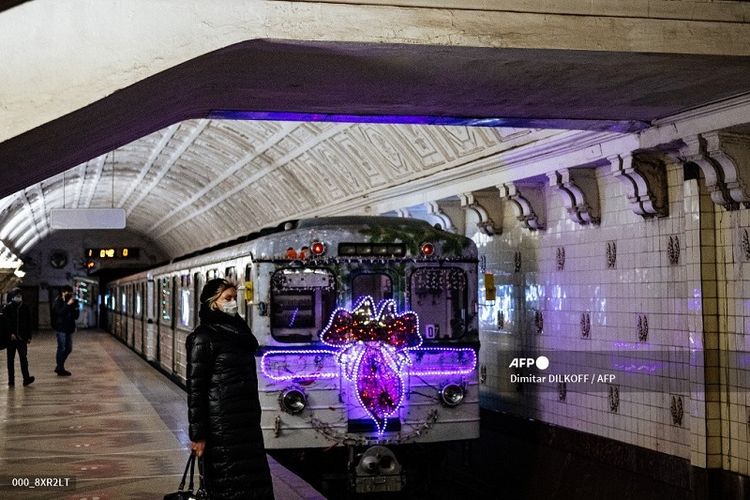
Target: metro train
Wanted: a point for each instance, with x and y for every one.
(367, 325)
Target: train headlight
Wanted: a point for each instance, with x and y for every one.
(293, 401)
(452, 395)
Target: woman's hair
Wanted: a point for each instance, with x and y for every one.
(213, 290)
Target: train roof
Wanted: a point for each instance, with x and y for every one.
(360, 220)
(280, 235)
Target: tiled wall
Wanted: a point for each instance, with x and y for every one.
(583, 304)
(731, 368)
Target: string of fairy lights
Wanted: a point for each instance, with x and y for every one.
(374, 347)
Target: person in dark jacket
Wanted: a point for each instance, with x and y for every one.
(17, 325)
(64, 315)
(223, 405)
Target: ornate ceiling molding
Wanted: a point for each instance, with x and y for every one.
(724, 159)
(580, 193)
(524, 203)
(485, 224)
(644, 178)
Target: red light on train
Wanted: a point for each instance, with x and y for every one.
(427, 249)
(291, 253)
(318, 248)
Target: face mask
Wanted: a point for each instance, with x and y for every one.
(17, 299)
(230, 307)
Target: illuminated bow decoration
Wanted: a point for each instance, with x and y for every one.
(373, 351)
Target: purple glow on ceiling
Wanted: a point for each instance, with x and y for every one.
(384, 119)
(623, 126)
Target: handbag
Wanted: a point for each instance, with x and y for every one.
(183, 494)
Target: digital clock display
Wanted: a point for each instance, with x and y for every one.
(112, 253)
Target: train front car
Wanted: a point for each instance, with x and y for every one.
(369, 327)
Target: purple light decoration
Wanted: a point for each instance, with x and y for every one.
(374, 344)
(272, 362)
(443, 361)
(294, 317)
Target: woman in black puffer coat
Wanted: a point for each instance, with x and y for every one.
(223, 406)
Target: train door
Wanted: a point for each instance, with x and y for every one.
(131, 315)
(139, 294)
(198, 283)
(152, 336)
(172, 323)
(157, 317)
(125, 307)
(249, 292)
(166, 324)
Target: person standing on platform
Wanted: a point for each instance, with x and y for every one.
(17, 326)
(223, 404)
(64, 315)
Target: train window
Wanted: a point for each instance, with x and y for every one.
(230, 273)
(376, 285)
(302, 300)
(124, 301)
(138, 303)
(166, 301)
(212, 273)
(185, 308)
(438, 296)
(294, 309)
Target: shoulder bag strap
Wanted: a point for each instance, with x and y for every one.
(189, 465)
(202, 493)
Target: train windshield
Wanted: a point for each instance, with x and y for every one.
(302, 300)
(438, 296)
(376, 285)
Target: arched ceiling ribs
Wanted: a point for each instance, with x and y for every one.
(17, 230)
(25, 248)
(99, 166)
(29, 235)
(81, 171)
(12, 223)
(143, 191)
(27, 205)
(44, 211)
(155, 152)
(297, 151)
(272, 141)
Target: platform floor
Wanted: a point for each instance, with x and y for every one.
(116, 428)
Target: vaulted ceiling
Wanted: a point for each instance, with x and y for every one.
(200, 182)
(189, 178)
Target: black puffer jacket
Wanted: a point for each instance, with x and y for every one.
(17, 320)
(64, 315)
(223, 407)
